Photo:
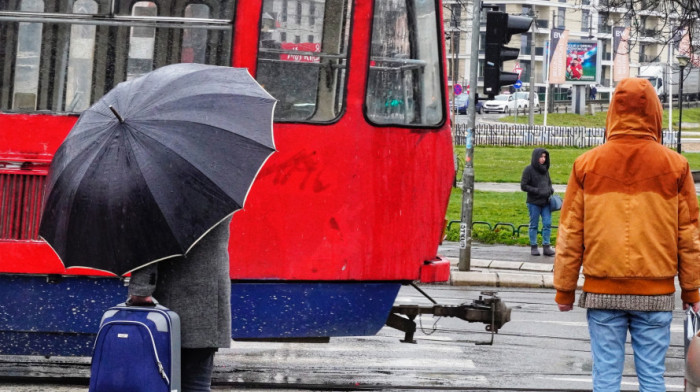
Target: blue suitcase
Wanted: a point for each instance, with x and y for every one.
(137, 349)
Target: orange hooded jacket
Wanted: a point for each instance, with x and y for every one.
(630, 213)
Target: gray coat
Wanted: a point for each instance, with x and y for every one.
(197, 287)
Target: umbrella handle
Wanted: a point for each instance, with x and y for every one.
(119, 117)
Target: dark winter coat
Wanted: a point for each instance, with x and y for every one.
(196, 287)
(535, 179)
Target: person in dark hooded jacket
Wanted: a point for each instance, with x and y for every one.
(536, 182)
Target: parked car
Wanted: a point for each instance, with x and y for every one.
(462, 103)
(523, 100)
(504, 103)
(479, 106)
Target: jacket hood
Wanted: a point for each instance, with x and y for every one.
(635, 110)
(535, 161)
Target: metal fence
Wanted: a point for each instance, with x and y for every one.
(537, 135)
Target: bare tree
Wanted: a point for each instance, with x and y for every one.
(666, 21)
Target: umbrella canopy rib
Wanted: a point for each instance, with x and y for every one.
(228, 170)
(67, 179)
(238, 114)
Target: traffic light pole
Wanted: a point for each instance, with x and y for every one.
(500, 27)
(533, 91)
(465, 227)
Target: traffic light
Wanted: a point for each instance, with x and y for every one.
(500, 27)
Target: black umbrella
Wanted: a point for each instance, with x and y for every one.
(154, 165)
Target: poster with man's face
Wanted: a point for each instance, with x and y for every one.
(582, 62)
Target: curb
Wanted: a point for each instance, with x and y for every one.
(499, 273)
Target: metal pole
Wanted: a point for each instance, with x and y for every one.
(680, 111)
(531, 115)
(668, 86)
(454, 80)
(551, 49)
(465, 227)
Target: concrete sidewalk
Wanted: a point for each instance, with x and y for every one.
(500, 266)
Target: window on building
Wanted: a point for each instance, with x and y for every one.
(455, 15)
(312, 13)
(527, 67)
(586, 25)
(561, 17)
(603, 26)
(298, 15)
(525, 43)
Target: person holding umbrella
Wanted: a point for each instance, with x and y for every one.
(146, 183)
(198, 288)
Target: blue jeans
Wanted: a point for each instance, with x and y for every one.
(535, 212)
(197, 367)
(651, 335)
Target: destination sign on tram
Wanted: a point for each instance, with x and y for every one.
(300, 47)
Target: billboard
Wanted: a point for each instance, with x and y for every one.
(557, 58)
(582, 62)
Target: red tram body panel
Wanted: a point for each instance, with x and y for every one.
(354, 196)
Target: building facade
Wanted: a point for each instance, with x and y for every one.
(582, 18)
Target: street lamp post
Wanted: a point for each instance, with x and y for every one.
(682, 63)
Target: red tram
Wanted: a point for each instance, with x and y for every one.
(349, 208)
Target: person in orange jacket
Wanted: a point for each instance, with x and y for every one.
(630, 219)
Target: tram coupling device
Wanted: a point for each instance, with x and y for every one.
(488, 309)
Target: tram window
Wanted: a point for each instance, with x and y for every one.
(141, 42)
(80, 60)
(194, 41)
(308, 78)
(28, 57)
(70, 58)
(404, 72)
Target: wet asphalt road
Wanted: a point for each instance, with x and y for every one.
(541, 349)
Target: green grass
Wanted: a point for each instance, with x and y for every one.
(690, 116)
(506, 164)
(494, 207)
